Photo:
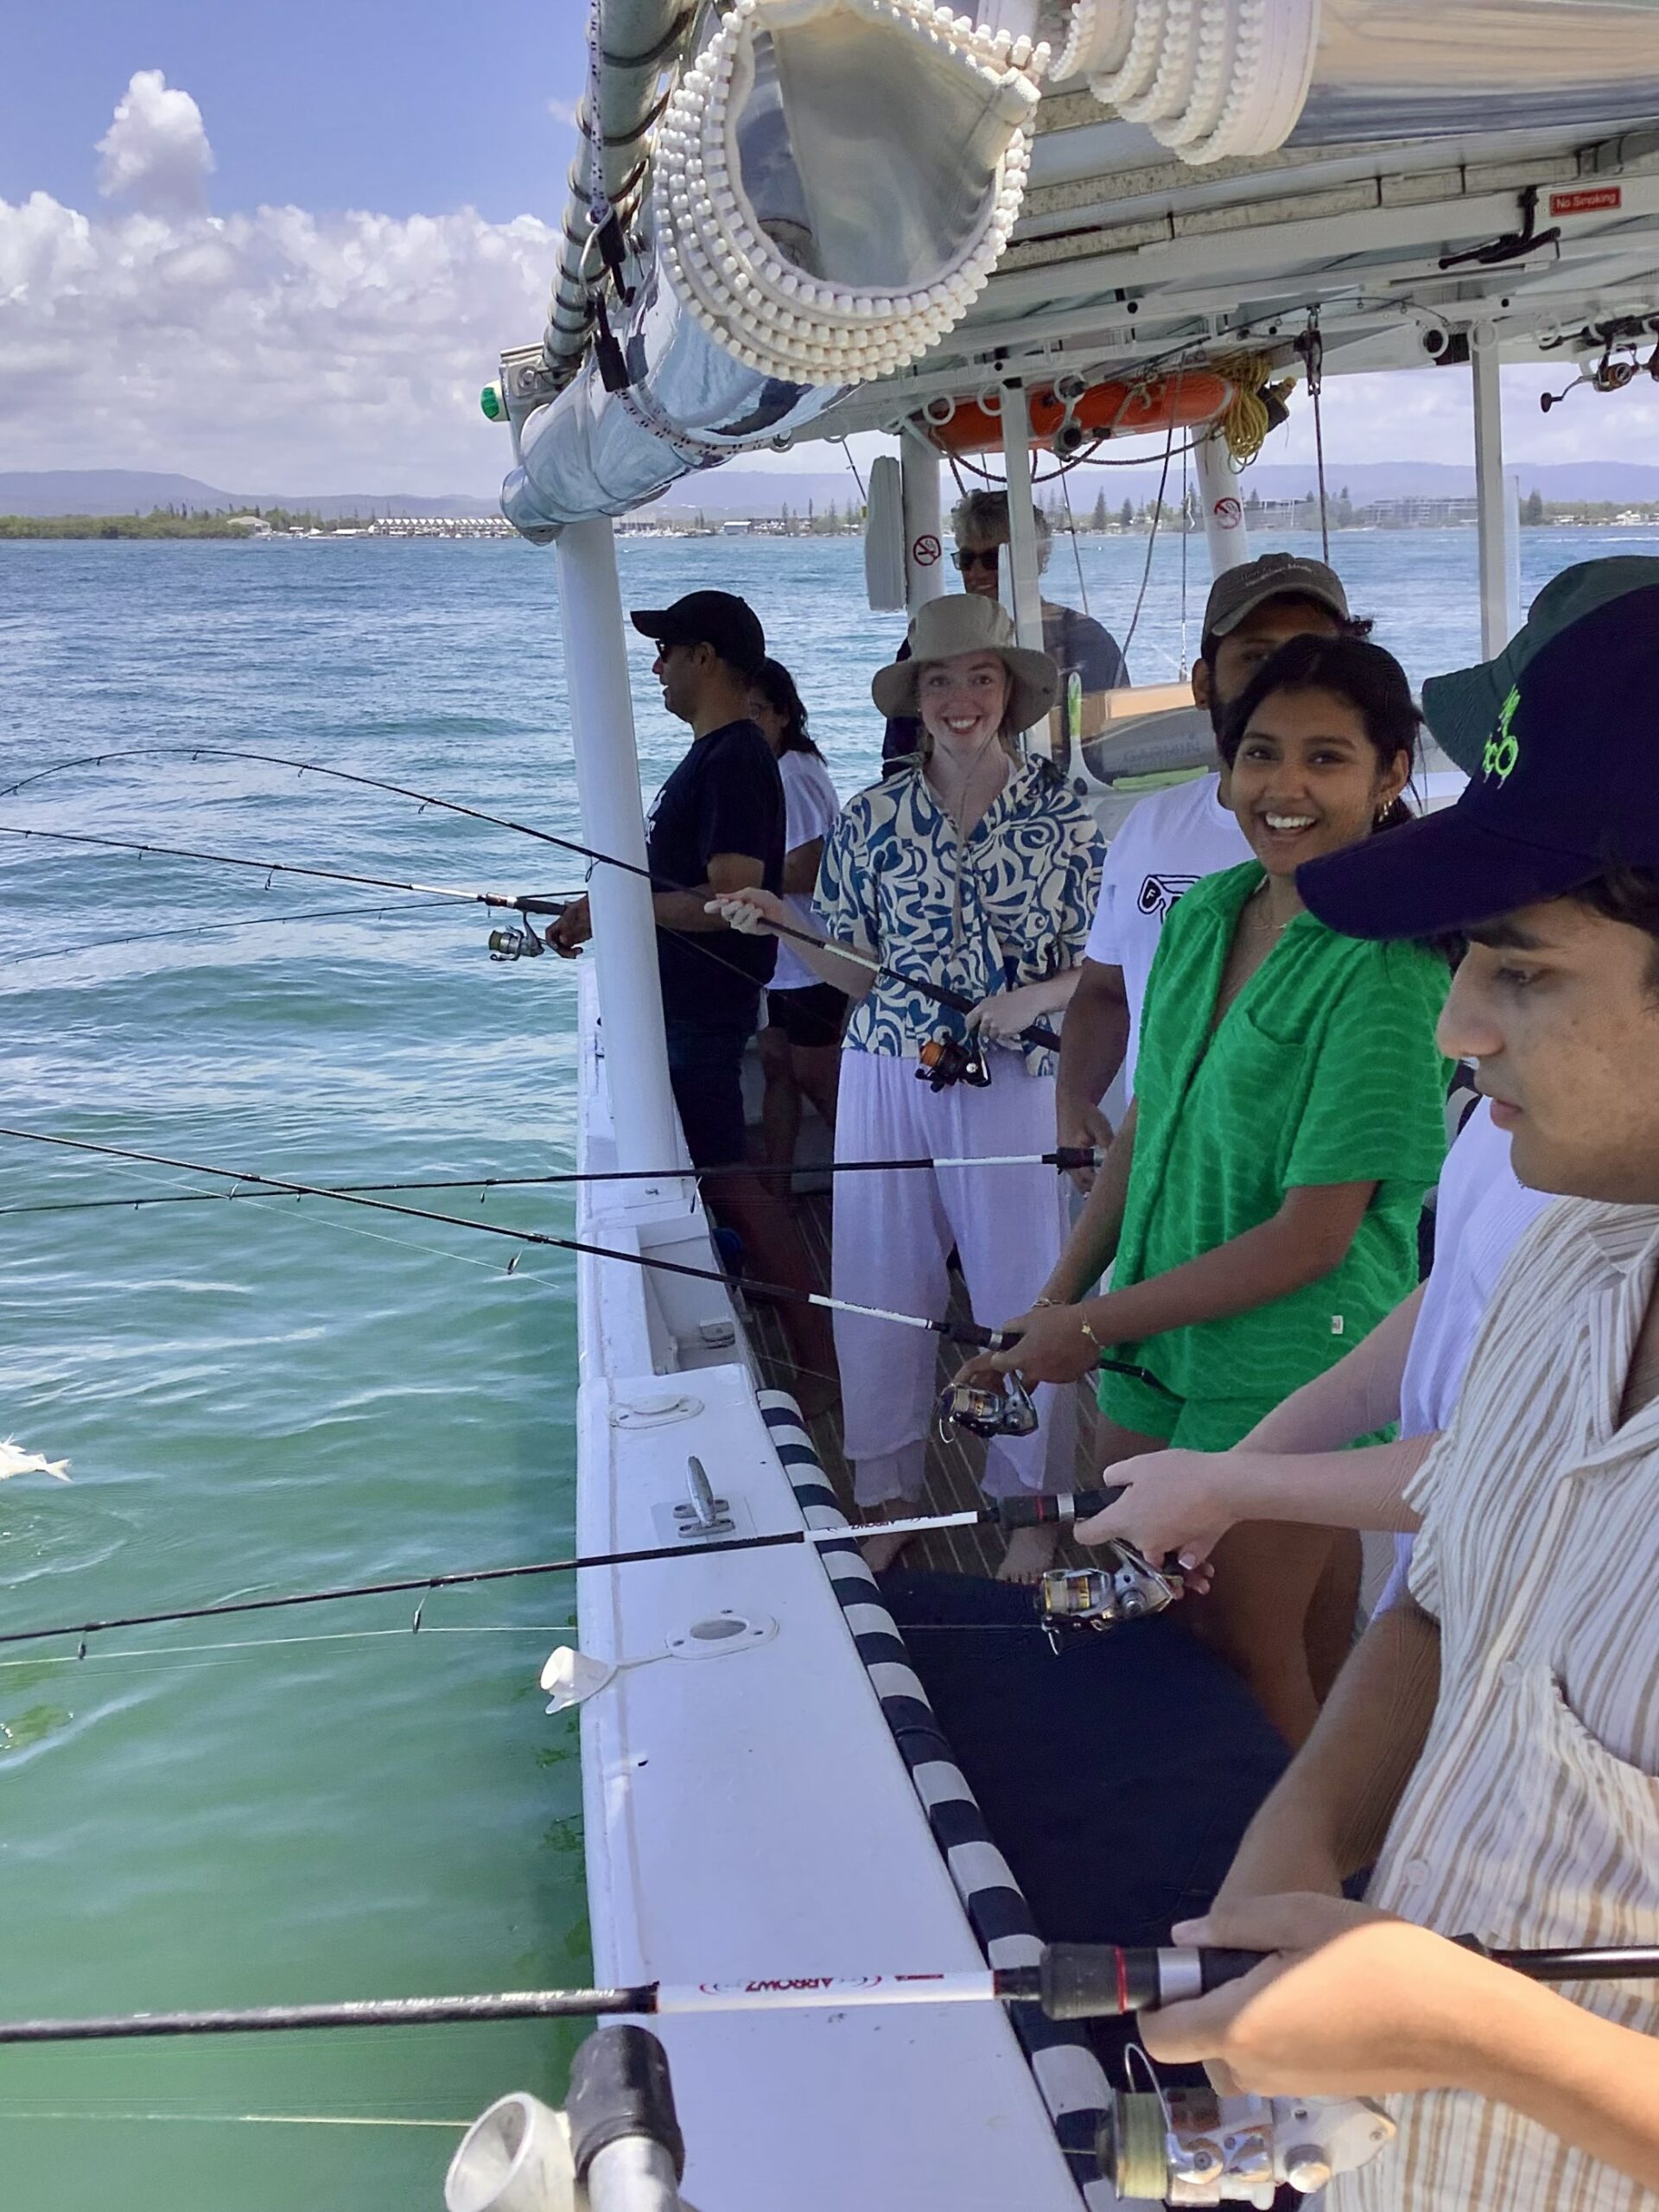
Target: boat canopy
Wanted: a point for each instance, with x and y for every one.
(800, 219)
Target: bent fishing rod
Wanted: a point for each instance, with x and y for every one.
(960, 1332)
(957, 1001)
(1072, 1982)
(1008, 1514)
(1064, 1158)
(517, 902)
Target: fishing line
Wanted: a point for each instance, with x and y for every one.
(1067, 1156)
(1070, 1981)
(101, 943)
(283, 1642)
(1035, 1032)
(961, 1333)
(1024, 1512)
(435, 891)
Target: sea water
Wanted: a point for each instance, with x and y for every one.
(263, 1395)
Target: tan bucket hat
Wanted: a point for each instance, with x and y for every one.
(963, 622)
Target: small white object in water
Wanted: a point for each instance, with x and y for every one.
(14, 1460)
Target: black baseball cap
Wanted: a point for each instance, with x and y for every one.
(1238, 591)
(1566, 786)
(718, 619)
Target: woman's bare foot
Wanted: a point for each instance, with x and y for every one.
(1029, 1556)
(879, 1550)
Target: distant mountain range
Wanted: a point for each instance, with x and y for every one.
(136, 490)
(729, 492)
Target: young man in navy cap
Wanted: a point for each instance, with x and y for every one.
(717, 826)
(1492, 1751)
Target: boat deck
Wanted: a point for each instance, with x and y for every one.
(953, 1467)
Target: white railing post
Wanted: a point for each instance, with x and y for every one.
(607, 780)
(1500, 609)
(1226, 533)
(1027, 606)
(924, 546)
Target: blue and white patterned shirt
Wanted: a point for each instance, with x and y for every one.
(1011, 905)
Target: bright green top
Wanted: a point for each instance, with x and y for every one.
(1324, 1070)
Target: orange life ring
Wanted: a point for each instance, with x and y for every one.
(1115, 410)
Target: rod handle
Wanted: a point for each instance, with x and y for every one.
(619, 2087)
(1034, 1512)
(1100, 1981)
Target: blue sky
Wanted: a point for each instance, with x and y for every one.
(279, 247)
(405, 109)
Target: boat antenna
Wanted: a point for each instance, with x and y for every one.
(1035, 1032)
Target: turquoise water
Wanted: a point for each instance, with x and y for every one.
(268, 1397)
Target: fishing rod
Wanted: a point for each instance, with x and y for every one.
(960, 1332)
(97, 942)
(1066, 1156)
(1008, 1514)
(957, 1001)
(517, 902)
(1072, 1982)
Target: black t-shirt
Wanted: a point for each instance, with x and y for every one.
(725, 797)
(1076, 641)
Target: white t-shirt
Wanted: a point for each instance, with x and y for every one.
(810, 806)
(1168, 840)
(1480, 1213)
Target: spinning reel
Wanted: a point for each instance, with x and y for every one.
(983, 1411)
(522, 940)
(1128, 1587)
(944, 1060)
(1190, 2146)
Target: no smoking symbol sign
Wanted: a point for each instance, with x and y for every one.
(925, 551)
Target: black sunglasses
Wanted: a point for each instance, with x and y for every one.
(971, 556)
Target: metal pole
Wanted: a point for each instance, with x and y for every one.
(608, 780)
(924, 562)
(1028, 606)
(1226, 533)
(1494, 510)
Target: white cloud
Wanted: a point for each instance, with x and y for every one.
(563, 111)
(156, 152)
(278, 351)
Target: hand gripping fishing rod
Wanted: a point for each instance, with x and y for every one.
(957, 1001)
(1072, 1981)
(1008, 1514)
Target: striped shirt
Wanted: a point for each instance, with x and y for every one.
(1533, 1815)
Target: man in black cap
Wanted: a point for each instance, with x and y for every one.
(1491, 1750)
(717, 826)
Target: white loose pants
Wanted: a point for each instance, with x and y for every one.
(892, 1236)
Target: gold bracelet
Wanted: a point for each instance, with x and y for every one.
(1046, 1300)
(1088, 1332)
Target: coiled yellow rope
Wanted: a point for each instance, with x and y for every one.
(1246, 423)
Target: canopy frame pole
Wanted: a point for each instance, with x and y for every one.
(1226, 533)
(1495, 508)
(1027, 606)
(918, 476)
(607, 782)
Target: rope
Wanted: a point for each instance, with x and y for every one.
(1072, 530)
(1313, 351)
(1246, 421)
(1152, 539)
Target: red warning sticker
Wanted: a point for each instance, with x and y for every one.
(1588, 200)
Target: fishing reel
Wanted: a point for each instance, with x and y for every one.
(522, 943)
(983, 1411)
(1126, 1589)
(944, 1060)
(1191, 2147)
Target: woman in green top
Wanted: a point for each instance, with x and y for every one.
(1261, 1200)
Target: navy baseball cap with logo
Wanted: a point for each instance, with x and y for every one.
(1566, 787)
(718, 619)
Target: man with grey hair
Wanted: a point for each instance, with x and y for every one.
(1079, 645)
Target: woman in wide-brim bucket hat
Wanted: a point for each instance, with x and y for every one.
(972, 869)
(961, 623)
